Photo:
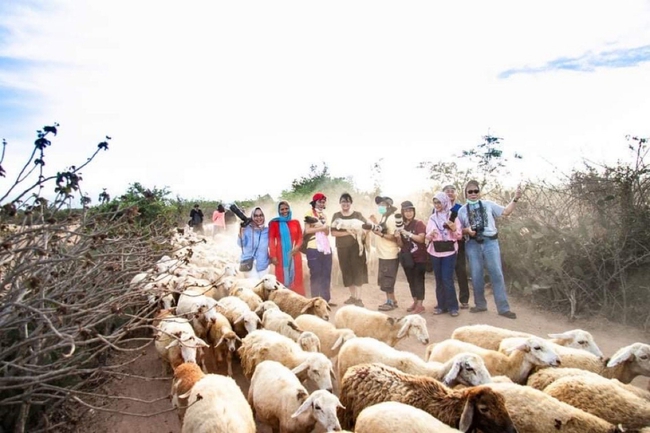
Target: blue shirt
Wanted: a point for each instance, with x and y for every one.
(255, 242)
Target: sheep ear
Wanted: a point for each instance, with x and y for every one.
(293, 326)
(221, 340)
(391, 321)
(300, 369)
(523, 347)
(405, 327)
(452, 374)
(200, 343)
(563, 336)
(467, 417)
(239, 319)
(338, 342)
(303, 407)
(172, 344)
(621, 356)
(309, 305)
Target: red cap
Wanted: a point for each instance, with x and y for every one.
(318, 196)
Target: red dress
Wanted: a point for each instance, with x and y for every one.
(275, 252)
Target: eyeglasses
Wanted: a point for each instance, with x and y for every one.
(473, 191)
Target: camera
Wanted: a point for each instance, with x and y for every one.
(375, 227)
(478, 237)
(241, 215)
(399, 221)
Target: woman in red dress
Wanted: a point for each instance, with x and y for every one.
(285, 238)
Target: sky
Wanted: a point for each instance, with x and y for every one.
(231, 100)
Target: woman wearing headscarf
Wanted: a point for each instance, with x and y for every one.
(254, 242)
(319, 250)
(443, 235)
(285, 238)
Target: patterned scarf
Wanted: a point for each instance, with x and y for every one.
(287, 245)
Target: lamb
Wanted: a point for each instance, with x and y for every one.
(267, 284)
(352, 226)
(331, 338)
(223, 340)
(201, 307)
(489, 337)
(467, 409)
(243, 320)
(533, 411)
(280, 401)
(465, 368)
(392, 416)
(216, 404)
(546, 376)
(366, 323)
(247, 295)
(295, 304)
(264, 306)
(176, 342)
(262, 345)
(603, 398)
(517, 365)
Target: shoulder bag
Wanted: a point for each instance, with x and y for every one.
(246, 265)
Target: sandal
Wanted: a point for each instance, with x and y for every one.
(387, 306)
(437, 311)
(411, 308)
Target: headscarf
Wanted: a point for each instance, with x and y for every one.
(440, 218)
(253, 213)
(286, 244)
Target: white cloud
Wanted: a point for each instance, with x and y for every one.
(232, 100)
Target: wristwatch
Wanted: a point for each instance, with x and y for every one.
(515, 200)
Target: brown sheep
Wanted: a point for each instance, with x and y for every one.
(294, 304)
(466, 409)
(185, 376)
(223, 341)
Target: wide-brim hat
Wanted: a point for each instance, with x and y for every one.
(380, 199)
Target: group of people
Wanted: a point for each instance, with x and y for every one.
(453, 236)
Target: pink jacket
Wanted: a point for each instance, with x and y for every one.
(434, 235)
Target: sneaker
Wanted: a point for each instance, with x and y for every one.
(350, 301)
(477, 309)
(464, 306)
(437, 311)
(387, 306)
(509, 315)
(358, 303)
(419, 309)
(453, 313)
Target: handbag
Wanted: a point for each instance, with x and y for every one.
(443, 246)
(406, 259)
(307, 237)
(246, 265)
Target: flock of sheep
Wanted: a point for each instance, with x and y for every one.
(309, 373)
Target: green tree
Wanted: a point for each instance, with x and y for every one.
(318, 179)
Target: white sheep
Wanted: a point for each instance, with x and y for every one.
(331, 337)
(216, 404)
(354, 227)
(266, 285)
(366, 323)
(200, 308)
(247, 295)
(265, 305)
(603, 398)
(295, 304)
(464, 368)
(626, 364)
(489, 337)
(262, 345)
(176, 342)
(280, 401)
(239, 314)
(393, 416)
(533, 411)
(281, 322)
(546, 376)
(517, 364)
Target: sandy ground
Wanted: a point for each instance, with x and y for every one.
(155, 417)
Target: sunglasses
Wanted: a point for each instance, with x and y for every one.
(473, 191)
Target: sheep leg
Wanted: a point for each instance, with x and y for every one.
(229, 361)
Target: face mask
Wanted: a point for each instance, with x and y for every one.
(381, 210)
(472, 201)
